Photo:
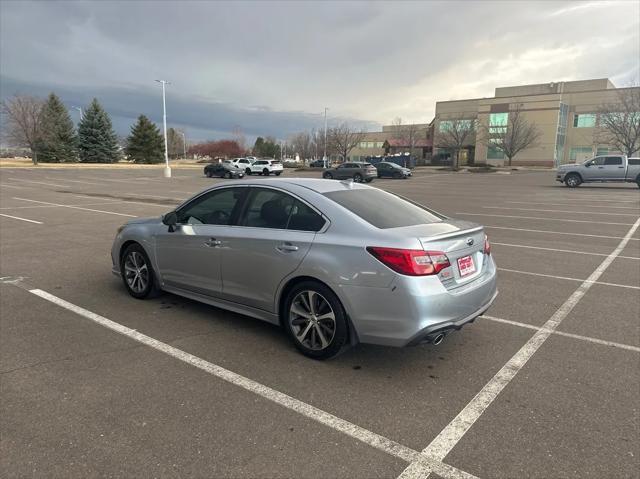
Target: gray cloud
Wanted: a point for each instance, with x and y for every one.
(271, 67)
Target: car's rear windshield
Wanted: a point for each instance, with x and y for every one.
(383, 210)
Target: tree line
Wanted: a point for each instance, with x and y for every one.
(44, 126)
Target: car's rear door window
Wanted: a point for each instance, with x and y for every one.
(383, 210)
(613, 160)
(270, 208)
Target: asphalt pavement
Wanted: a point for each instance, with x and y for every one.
(94, 383)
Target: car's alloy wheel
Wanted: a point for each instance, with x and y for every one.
(357, 178)
(248, 171)
(315, 320)
(265, 172)
(572, 180)
(137, 272)
(327, 176)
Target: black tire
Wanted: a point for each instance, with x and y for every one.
(397, 175)
(278, 173)
(248, 171)
(132, 255)
(357, 178)
(327, 176)
(227, 175)
(322, 296)
(573, 180)
(379, 176)
(368, 180)
(209, 174)
(265, 172)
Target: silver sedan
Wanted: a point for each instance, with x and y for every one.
(332, 262)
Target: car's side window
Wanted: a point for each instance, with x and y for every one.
(215, 208)
(613, 160)
(267, 208)
(597, 161)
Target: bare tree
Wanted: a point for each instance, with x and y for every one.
(408, 134)
(517, 135)
(455, 133)
(344, 138)
(302, 144)
(619, 123)
(24, 122)
(239, 138)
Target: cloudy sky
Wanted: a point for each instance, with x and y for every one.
(270, 68)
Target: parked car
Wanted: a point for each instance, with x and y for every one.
(607, 168)
(359, 172)
(392, 170)
(317, 164)
(223, 170)
(242, 162)
(331, 262)
(265, 167)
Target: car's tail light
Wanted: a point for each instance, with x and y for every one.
(412, 262)
(487, 245)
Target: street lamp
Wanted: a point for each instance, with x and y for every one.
(184, 145)
(80, 110)
(324, 157)
(167, 170)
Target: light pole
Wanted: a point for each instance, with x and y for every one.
(167, 169)
(184, 145)
(324, 157)
(80, 110)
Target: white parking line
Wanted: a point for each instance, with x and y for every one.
(568, 278)
(556, 232)
(444, 442)
(352, 430)
(567, 335)
(562, 211)
(39, 182)
(560, 250)
(21, 219)
(637, 208)
(77, 207)
(564, 220)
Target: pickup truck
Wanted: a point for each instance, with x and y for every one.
(607, 168)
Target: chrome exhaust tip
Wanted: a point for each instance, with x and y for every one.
(437, 339)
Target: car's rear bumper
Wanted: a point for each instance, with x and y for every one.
(412, 308)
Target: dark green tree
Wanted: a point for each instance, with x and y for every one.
(145, 144)
(97, 142)
(58, 141)
(267, 148)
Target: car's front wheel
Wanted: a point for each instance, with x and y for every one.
(265, 172)
(357, 178)
(227, 175)
(573, 180)
(137, 272)
(248, 171)
(315, 320)
(327, 176)
(209, 174)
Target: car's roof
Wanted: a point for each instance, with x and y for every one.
(315, 184)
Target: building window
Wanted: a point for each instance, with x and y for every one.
(603, 150)
(494, 153)
(498, 119)
(561, 133)
(579, 153)
(379, 144)
(447, 125)
(584, 120)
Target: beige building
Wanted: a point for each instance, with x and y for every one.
(564, 112)
(392, 139)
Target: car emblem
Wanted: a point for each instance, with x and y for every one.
(470, 241)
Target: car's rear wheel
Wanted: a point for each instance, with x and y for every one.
(327, 176)
(368, 180)
(265, 172)
(573, 180)
(315, 320)
(137, 272)
(357, 178)
(248, 171)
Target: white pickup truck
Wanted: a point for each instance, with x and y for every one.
(614, 168)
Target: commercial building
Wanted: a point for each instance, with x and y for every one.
(416, 139)
(565, 113)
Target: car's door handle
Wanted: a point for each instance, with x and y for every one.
(620, 166)
(600, 167)
(212, 243)
(287, 247)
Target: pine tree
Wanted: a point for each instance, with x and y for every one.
(145, 143)
(58, 143)
(97, 142)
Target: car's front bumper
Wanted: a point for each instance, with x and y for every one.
(412, 308)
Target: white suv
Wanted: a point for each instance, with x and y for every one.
(265, 167)
(242, 162)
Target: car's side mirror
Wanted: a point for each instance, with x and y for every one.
(171, 220)
(588, 164)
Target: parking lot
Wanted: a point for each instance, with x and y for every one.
(96, 383)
